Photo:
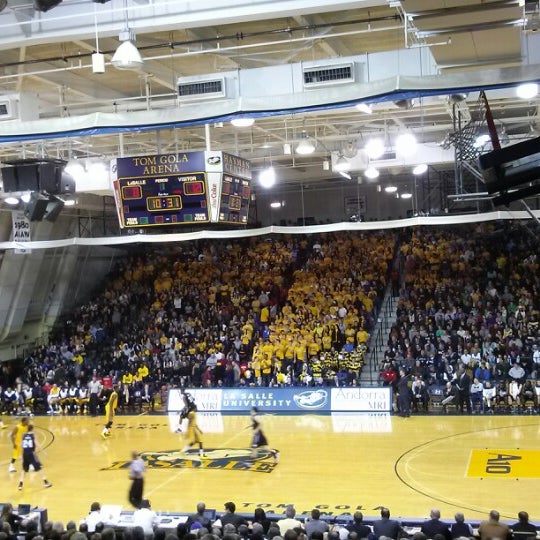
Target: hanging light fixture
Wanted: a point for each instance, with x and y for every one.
(421, 168)
(527, 90)
(364, 107)
(306, 145)
(267, 177)
(127, 56)
(375, 148)
(241, 122)
(371, 172)
(406, 144)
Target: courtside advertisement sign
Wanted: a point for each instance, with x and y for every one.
(297, 399)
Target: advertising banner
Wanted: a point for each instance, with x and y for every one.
(294, 399)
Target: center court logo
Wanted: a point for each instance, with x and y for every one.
(237, 459)
(311, 399)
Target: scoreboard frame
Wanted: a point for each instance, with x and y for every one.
(181, 189)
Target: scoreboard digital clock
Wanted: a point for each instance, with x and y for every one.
(181, 189)
(172, 200)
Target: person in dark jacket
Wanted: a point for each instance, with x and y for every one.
(460, 528)
(435, 526)
(386, 526)
(358, 526)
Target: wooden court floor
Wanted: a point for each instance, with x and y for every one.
(338, 463)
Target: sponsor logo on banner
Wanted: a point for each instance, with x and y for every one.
(21, 230)
(228, 459)
(213, 180)
(361, 399)
(311, 399)
(206, 399)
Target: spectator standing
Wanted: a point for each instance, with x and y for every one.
(464, 391)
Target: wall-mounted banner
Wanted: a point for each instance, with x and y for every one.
(21, 230)
(296, 399)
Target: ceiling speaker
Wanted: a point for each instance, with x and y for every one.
(54, 208)
(36, 207)
(45, 5)
(9, 177)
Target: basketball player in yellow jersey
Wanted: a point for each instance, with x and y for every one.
(16, 436)
(194, 433)
(110, 409)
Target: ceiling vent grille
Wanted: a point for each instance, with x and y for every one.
(8, 108)
(323, 76)
(194, 90)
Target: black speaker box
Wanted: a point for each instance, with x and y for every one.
(9, 176)
(53, 210)
(27, 176)
(67, 183)
(36, 207)
(49, 177)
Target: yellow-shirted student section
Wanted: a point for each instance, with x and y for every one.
(338, 463)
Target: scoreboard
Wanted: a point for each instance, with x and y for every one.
(181, 189)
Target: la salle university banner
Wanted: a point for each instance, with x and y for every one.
(297, 399)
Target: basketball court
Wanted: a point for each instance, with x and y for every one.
(338, 463)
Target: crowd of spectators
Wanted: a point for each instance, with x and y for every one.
(271, 311)
(230, 525)
(468, 320)
(282, 311)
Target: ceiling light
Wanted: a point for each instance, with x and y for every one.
(404, 103)
(420, 169)
(406, 195)
(390, 189)
(25, 197)
(527, 90)
(375, 148)
(371, 173)
(364, 107)
(98, 62)
(406, 144)
(305, 146)
(342, 164)
(127, 56)
(275, 204)
(242, 122)
(457, 98)
(267, 177)
(345, 175)
(481, 140)
(11, 200)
